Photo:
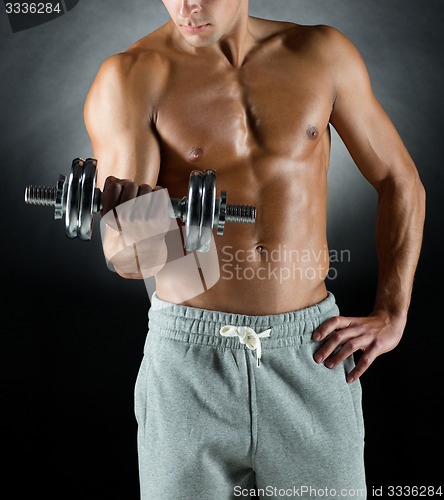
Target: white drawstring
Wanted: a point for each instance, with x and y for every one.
(246, 336)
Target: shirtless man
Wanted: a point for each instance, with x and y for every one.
(253, 100)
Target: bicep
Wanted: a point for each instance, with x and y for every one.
(129, 156)
(361, 122)
(119, 125)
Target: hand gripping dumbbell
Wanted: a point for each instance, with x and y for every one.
(77, 199)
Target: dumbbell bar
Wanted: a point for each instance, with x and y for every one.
(77, 198)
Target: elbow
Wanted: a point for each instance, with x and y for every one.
(417, 193)
(406, 189)
(422, 194)
(406, 181)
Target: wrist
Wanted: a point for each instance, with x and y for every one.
(395, 317)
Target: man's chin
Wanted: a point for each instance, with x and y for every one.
(199, 45)
(199, 41)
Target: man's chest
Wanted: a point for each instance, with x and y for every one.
(278, 106)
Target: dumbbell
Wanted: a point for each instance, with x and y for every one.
(77, 200)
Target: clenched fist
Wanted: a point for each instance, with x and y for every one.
(134, 223)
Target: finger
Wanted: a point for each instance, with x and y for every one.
(135, 212)
(158, 188)
(112, 191)
(145, 189)
(110, 178)
(351, 346)
(329, 326)
(336, 339)
(364, 362)
(129, 191)
(111, 194)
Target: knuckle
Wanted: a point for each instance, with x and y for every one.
(378, 344)
(353, 345)
(367, 338)
(337, 320)
(342, 322)
(360, 328)
(110, 183)
(338, 336)
(365, 360)
(127, 184)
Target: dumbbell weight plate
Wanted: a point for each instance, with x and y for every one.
(194, 210)
(73, 198)
(87, 185)
(208, 206)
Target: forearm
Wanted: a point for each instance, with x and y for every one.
(399, 229)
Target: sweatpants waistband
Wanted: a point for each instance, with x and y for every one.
(203, 326)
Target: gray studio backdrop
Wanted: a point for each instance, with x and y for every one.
(47, 71)
(67, 299)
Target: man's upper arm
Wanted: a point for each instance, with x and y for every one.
(118, 117)
(359, 118)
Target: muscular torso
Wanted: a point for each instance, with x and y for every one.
(264, 128)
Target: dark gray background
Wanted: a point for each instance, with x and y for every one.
(74, 331)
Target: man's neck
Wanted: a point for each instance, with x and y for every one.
(236, 46)
(232, 47)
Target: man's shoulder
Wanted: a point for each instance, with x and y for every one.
(321, 44)
(144, 58)
(316, 38)
(140, 70)
(134, 63)
(318, 42)
(130, 81)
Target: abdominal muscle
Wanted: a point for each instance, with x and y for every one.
(262, 280)
(279, 264)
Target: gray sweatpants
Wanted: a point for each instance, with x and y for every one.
(212, 424)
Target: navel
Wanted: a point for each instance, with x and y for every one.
(195, 154)
(312, 132)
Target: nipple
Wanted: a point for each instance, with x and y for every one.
(312, 132)
(195, 154)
